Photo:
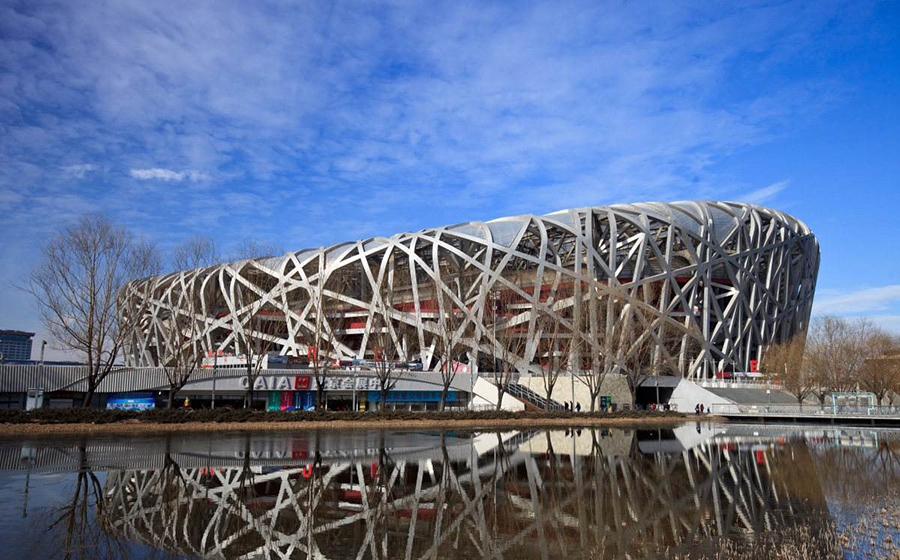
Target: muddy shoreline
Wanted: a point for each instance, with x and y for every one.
(139, 427)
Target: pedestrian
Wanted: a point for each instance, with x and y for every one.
(701, 408)
(578, 407)
(697, 409)
(567, 406)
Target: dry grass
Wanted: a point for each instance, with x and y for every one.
(874, 534)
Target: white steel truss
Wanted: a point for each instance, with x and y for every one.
(725, 277)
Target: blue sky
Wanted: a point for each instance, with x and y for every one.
(317, 123)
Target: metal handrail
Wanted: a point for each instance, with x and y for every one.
(805, 410)
(523, 392)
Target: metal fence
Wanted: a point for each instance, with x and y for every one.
(806, 410)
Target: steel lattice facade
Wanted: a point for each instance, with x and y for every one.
(715, 281)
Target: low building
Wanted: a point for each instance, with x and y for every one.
(273, 389)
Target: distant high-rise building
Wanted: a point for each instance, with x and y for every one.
(15, 345)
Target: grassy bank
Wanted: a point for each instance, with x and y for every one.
(89, 420)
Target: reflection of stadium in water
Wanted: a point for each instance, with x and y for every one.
(505, 495)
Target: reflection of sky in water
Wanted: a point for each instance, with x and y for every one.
(537, 488)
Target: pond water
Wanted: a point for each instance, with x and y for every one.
(696, 490)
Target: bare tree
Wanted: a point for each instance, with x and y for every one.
(182, 351)
(510, 332)
(599, 319)
(145, 258)
(196, 252)
(389, 337)
(633, 345)
(837, 349)
(555, 338)
(81, 275)
(180, 335)
(787, 360)
(263, 321)
(451, 327)
(880, 374)
(323, 329)
(255, 249)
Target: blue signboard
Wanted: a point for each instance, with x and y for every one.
(131, 401)
(304, 400)
(411, 396)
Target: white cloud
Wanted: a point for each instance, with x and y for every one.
(318, 106)
(761, 195)
(167, 175)
(860, 301)
(79, 170)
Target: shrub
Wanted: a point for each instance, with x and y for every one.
(238, 415)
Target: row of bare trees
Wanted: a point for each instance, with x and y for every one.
(837, 355)
(82, 271)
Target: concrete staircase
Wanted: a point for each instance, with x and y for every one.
(532, 400)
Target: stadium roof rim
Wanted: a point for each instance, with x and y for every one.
(721, 216)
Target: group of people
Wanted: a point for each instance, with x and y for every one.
(576, 406)
(700, 409)
(665, 407)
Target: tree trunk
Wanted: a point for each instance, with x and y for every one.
(320, 395)
(442, 404)
(86, 403)
(384, 393)
(171, 398)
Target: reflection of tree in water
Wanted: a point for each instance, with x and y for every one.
(79, 527)
(545, 495)
(856, 465)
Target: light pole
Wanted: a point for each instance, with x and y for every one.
(41, 381)
(215, 373)
(43, 345)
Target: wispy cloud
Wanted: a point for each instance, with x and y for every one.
(764, 194)
(167, 175)
(389, 116)
(79, 171)
(860, 301)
